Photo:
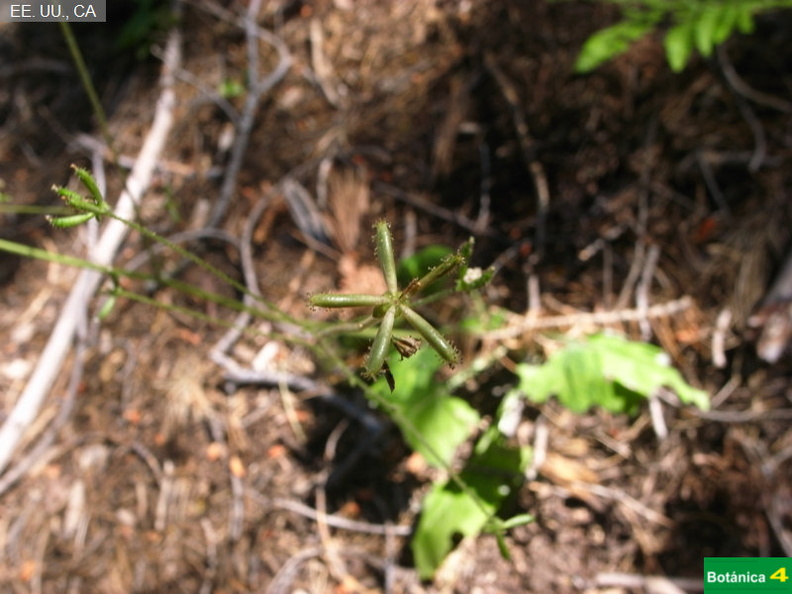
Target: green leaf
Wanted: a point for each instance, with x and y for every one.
(726, 23)
(610, 42)
(745, 18)
(499, 527)
(433, 422)
(706, 22)
(678, 44)
(713, 25)
(493, 473)
(421, 262)
(606, 371)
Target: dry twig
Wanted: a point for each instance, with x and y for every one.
(257, 86)
(522, 324)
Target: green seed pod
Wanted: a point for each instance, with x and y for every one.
(334, 300)
(71, 198)
(71, 221)
(379, 348)
(90, 183)
(384, 244)
(431, 335)
(446, 266)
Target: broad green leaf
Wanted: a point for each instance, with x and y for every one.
(678, 44)
(610, 42)
(443, 423)
(493, 473)
(745, 18)
(606, 371)
(433, 422)
(642, 368)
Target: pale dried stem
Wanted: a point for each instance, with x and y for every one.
(523, 324)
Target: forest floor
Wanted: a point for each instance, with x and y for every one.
(600, 194)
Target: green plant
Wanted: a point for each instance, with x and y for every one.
(607, 371)
(602, 371)
(433, 421)
(694, 24)
(93, 208)
(395, 303)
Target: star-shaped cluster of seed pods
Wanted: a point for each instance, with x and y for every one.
(395, 303)
(93, 208)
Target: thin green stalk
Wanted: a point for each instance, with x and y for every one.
(33, 209)
(114, 272)
(272, 311)
(192, 312)
(347, 328)
(87, 83)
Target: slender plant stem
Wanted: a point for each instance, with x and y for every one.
(87, 84)
(112, 271)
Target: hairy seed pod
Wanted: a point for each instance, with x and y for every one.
(333, 300)
(379, 348)
(446, 265)
(71, 221)
(431, 335)
(90, 183)
(70, 197)
(384, 244)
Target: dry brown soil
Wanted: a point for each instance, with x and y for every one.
(447, 119)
